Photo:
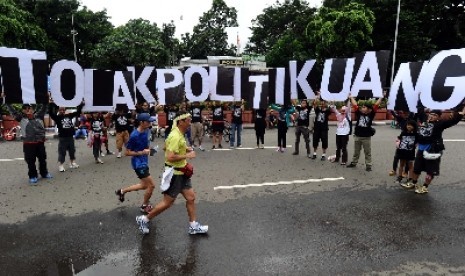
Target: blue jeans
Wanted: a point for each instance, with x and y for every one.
(235, 127)
(80, 132)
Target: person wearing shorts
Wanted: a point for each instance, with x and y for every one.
(122, 119)
(138, 147)
(176, 156)
(217, 124)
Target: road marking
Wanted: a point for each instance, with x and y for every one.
(454, 140)
(278, 183)
(14, 159)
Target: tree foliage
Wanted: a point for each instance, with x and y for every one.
(341, 33)
(17, 29)
(281, 19)
(209, 37)
(138, 43)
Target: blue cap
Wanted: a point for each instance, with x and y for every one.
(145, 117)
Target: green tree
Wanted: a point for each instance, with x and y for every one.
(92, 28)
(137, 43)
(17, 29)
(341, 33)
(54, 16)
(209, 37)
(282, 19)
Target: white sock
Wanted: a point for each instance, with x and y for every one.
(193, 223)
(324, 154)
(145, 219)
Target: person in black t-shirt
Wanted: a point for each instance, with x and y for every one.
(302, 116)
(236, 124)
(170, 111)
(196, 124)
(66, 131)
(363, 131)
(260, 126)
(217, 124)
(429, 137)
(122, 119)
(320, 130)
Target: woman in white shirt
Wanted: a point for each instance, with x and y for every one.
(343, 130)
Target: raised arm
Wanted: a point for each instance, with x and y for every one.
(18, 116)
(41, 112)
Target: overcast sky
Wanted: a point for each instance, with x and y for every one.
(184, 13)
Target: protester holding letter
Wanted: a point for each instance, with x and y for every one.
(260, 126)
(284, 121)
(236, 124)
(217, 124)
(170, 111)
(138, 147)
(430, 147)
(196, 126)
(96, 136)
(343, 131)
(401, 118)
(122, 118)
(176, 156)
(33, 135)
(320, 129)
(66, 131)
(363, 131)
(303, 127)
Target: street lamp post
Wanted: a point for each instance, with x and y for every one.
(395, 42)
(74, 33)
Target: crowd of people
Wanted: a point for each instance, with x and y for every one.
(419, 144)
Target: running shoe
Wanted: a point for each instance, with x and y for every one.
(120, 194)
(61, 168)
(33, 180)
(143, 226)
(421, 190)
(146, 208)
(198, 229)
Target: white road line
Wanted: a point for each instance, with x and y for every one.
(9, 160)
(454, 140)
(278, 183)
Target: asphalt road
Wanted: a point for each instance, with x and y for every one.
(334, 221)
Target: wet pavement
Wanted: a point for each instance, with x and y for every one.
(359, 223)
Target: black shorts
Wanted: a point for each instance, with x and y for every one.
(218, 127)
(431, 167)
(142, 172)
(177, 184)
(408, 155)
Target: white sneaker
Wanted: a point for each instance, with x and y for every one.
(73, 165)
(102, 154)
(119, 155)
(61, 168)
(143, 226)
(99, 161)
(198, 229)
(201, 148)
